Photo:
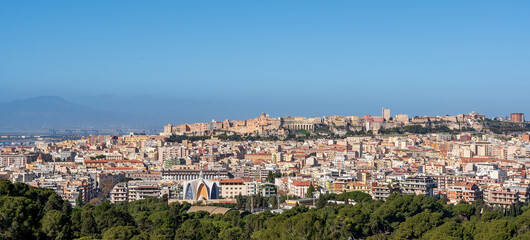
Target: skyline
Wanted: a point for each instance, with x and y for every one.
(186, 62)
(53, 112)
(264, 119)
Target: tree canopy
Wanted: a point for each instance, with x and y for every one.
(35, 213)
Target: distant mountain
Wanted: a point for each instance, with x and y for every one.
(56, 112)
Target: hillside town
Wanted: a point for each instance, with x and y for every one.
(339, 125)
(457, 158)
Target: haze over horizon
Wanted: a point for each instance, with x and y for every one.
(55, 112)
(177, 62)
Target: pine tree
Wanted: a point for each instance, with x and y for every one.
(79, 200)
(310, 190)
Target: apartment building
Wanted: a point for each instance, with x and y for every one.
(419, 185)
(134, 190)
(16, 160)
(464, 191)
(168, 152)
(299, 188)
(189, 174)
(504, 196)
(234, 187)
(382, 191)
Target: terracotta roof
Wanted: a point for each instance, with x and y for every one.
(301, 183)
(356, 184)
(480, 159)
(121, 168)
(112, 161)
(227, 180)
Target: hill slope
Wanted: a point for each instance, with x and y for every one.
(56, 112)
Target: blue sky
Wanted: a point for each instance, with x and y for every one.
(183, 61)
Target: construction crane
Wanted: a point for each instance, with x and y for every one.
(52, 132)
(120, 132)
(84, 132)
(69, 133)
(153, 131)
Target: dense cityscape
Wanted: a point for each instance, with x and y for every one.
(278, 164)
(273, 120)
(459, 158)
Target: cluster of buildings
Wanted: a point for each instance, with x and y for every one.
(339, 125)
(459, 167)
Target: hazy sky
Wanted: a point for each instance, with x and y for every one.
(197, 60)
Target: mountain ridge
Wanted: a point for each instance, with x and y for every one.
(57, 112)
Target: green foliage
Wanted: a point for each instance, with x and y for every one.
(232, 137)
(496, 229)
(416, 226)
(196, 229)
(231, 233)
(129, 179)
(34, 213)
(500, 127)
(464, 210)
(418, 129)
(101, 156)
(55, 225)
(16, 217)
(120, 233)
(304, 132)
(180, 138)
(451, 230)
(79, 200)
(257, 201)
(270, 178)
(23, 207)
(310, 190)
(489, 216)
(354, 196)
